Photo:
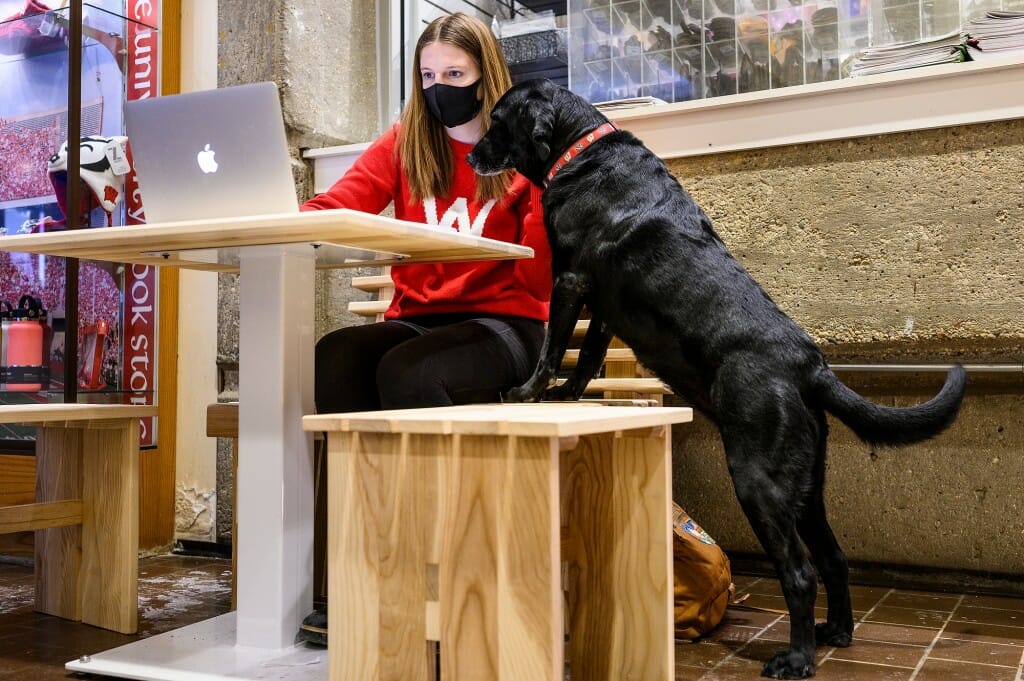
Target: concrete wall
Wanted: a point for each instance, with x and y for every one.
(322, 55)
(896, 248)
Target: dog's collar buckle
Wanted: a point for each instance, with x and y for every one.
(579, 145)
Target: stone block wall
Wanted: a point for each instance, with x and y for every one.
(904, 248)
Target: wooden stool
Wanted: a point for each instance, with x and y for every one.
(86, 514)
(452, 525)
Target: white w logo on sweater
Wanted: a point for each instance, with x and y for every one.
(457, 215)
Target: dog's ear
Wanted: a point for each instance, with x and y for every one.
(543, 125)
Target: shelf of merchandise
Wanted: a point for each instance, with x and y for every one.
(75, 39)
(901, 101)
(682, 50)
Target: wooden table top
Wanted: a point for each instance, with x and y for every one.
(340, 238)
(544, 419)
(72, 412)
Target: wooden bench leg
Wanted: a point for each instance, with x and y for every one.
(500, 576)
(110, 526)
(617, 515)
(484, 510)
(58, 550)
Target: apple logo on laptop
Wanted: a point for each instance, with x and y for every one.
(206, 161)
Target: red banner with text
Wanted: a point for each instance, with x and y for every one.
(140, 304)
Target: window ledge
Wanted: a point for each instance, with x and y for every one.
(913, 99)
(330, 163)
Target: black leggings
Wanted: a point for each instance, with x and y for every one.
(424, 362)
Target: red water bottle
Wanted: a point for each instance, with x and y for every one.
(24, 347)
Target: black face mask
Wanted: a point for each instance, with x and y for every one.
(453, 105)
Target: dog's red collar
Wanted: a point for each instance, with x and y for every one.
(579, 145)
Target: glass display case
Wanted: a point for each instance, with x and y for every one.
(114, 324)
(678, 50)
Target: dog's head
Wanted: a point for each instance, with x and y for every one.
(529, 127)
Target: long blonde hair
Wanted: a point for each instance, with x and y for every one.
(424, 149)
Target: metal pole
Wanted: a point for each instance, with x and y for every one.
(73, 199)
(910, 368)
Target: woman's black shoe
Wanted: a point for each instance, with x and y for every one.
(314, 628)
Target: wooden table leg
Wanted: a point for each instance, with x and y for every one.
(110, 526)
(58, 550)
(617, 515)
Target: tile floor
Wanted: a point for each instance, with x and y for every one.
(901, 634)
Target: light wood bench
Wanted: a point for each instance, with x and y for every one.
(86, 513)
(452, 524)
(623, 376)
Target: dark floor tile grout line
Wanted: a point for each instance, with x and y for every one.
(896, 624)
(889, 643)
(935, 639)
(974, 663)
(951, 637)
(975, 620)
(873, 664)
(989, 607)
(915, 608)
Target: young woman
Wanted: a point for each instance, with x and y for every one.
(455, 333)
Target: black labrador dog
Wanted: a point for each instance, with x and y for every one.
(632, 245)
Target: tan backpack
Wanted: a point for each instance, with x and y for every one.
(703, 578)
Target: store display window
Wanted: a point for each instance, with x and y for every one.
(681, 50)
(116, 304)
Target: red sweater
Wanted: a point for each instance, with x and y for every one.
(499, 287)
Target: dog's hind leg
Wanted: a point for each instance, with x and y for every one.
(769, 439)
(837, 629)
(770, 518)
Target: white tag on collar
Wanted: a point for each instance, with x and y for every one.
(117, 155)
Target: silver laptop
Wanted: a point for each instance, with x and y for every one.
(210, 154)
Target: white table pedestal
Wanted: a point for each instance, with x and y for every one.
(275, 498)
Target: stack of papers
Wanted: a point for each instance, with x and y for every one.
(944, 49)
(629, 103)
(998, 32)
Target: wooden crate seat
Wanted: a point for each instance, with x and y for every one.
(452, 524)
(86, 513)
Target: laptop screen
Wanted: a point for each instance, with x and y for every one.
(211, 154)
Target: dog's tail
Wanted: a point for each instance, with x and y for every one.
(880, 425)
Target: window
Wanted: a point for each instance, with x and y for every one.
(682, 50)
(911, 99)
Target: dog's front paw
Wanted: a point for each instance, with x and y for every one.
(829, 634)
(789, 664)
(560, 393)
(521, 394)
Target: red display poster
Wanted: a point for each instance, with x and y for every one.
(140, 305)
